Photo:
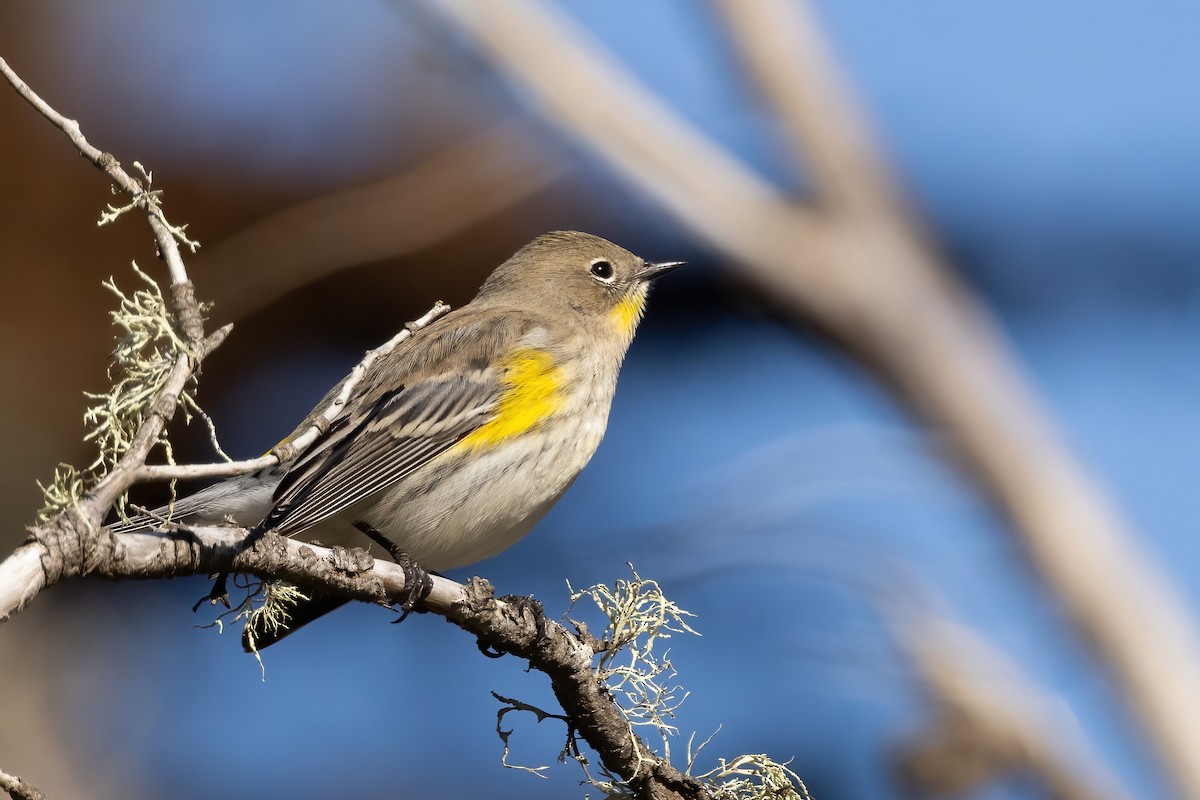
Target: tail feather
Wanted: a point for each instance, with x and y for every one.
(259, 633)
(245, 499)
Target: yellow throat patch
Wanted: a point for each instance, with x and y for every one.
(534, 392)
(628, 312)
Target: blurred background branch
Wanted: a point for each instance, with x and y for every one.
(865, 275)
(439, 198)
(988, 722)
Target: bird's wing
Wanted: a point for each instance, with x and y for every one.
(369, 450)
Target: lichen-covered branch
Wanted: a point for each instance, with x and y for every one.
(509, 625)
(86, 513)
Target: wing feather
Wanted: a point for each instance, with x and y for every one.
(366, 453)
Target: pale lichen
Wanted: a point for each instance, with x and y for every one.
(147, 350)
(754, 777)
(642, 681)
(639, 616)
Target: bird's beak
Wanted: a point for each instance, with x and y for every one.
(652, 271)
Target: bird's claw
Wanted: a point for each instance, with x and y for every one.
(417, 583)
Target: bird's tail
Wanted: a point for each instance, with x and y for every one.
(245, 499)
(260, 632)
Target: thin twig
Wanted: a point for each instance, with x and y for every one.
(164, 232)
(221, 469)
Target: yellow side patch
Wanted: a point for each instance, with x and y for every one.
(628, 313)
(534, 393)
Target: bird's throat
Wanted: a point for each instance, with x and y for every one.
(628, 312)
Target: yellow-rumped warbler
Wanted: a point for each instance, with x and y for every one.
(456, 442)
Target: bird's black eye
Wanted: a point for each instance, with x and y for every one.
(602, 269)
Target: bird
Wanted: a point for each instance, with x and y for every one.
(455, 443)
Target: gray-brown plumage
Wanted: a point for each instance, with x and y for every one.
(457, 442)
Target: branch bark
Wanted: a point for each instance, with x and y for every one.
(872, 281)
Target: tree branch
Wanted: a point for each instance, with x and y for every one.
(647, 142)
(509, 625)
(87, 517)
(991, 720)
(786, 55)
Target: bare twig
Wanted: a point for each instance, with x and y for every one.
(222, 469)
(871, 281)
(18, 789)
(164, 232)
(570, 749)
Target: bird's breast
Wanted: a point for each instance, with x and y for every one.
(475, 501)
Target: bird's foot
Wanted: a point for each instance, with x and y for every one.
(417, 583)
